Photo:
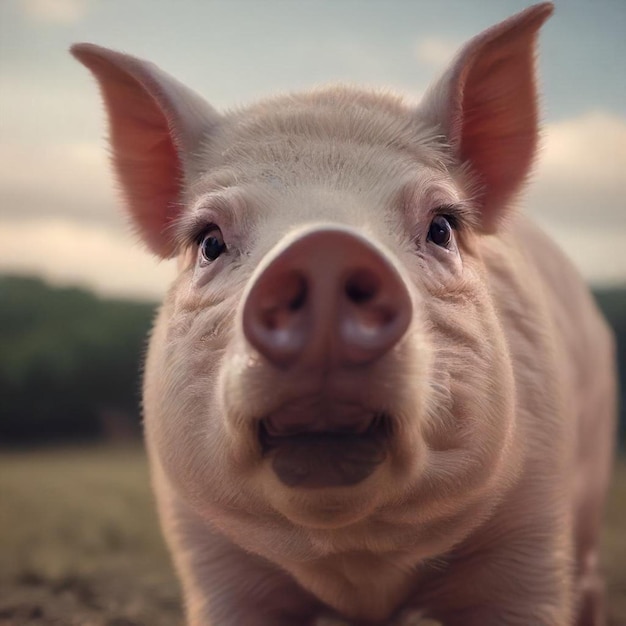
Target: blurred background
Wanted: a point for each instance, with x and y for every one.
(79, 542)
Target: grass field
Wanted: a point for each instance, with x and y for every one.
(80, 546)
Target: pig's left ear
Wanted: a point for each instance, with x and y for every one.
(486, 106)
(157, 127)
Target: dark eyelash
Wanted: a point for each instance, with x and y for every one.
(191, 225)
(190, 228)
(197, 233)
(453, 213)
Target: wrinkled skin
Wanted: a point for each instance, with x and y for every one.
(432, 437)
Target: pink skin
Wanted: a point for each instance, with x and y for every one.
(373, 392)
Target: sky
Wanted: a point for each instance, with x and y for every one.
(60, 214)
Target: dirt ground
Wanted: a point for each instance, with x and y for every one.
(80, 545)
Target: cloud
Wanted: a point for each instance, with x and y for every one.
(580, 175)
(38, 106)
(598, 253)
(579, 193)
(65, 252)
(590, 149)
(436, 52)
(63, 180)
(57, 11)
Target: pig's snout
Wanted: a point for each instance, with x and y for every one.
(326, 297)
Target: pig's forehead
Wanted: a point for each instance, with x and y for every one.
(323, 132)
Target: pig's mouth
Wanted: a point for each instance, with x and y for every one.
(338, 457)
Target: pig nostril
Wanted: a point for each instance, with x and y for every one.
(362, 286)
(286, 297)
(297, 292)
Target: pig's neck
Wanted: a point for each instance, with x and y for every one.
(359, 585)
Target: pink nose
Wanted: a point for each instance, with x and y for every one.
(328, 296)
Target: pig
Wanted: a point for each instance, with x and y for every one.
(375, 391)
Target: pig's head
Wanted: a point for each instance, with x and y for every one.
(328, 363)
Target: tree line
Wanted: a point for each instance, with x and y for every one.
(70, 361)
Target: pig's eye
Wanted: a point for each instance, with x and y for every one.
(440, 231)
(211, 243)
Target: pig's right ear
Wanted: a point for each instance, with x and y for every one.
(156, 127)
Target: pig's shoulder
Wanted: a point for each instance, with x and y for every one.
(531, 277)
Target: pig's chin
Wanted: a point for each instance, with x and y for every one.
(305, 458)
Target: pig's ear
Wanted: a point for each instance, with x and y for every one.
(156, 127)
(486, 106)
